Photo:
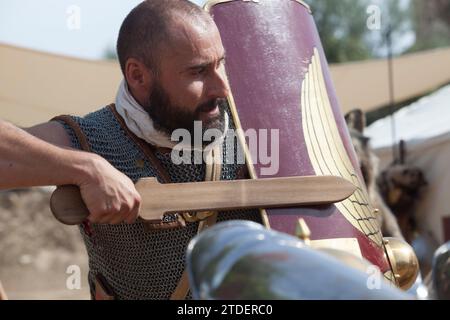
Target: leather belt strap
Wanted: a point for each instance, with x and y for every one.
(3, 295)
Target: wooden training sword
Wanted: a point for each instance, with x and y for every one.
(158, 199)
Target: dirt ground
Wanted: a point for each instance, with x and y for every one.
(36, 250)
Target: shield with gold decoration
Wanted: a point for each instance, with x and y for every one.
(280, 82)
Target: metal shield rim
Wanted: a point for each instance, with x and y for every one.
(210, 3)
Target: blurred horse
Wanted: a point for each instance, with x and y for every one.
(369, 168)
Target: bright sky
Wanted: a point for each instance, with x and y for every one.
(53, 25)
(79, 28)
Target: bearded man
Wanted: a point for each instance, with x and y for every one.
(172, 60)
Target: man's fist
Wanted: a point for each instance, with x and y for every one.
(109, 195)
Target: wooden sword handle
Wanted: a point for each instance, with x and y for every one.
(67, 205)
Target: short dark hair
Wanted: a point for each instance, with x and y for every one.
(146, 26)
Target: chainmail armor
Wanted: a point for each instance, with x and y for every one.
(139, 263)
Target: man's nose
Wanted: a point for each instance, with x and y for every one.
(219, 87)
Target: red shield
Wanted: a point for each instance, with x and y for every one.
(279, 79)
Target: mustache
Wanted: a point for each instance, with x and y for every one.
(211, 105)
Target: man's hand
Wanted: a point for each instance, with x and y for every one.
(109, 195)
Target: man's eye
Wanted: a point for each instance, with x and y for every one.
(198, 71)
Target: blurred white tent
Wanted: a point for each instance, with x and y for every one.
(425, 127)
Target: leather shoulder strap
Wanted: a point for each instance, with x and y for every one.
(76, 129)
(149, 152)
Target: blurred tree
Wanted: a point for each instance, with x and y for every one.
(342, 28)
(398, 19)
(110, 54)
(431, 24)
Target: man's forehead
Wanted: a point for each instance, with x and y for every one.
(195, 40)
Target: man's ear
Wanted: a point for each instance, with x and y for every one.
(356, 120)
(139, 78)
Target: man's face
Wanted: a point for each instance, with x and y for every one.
(191, 84)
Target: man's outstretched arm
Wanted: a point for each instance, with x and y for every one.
(26, 161)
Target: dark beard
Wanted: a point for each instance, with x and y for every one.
(168, 117)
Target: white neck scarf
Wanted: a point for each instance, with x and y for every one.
(140, 123)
